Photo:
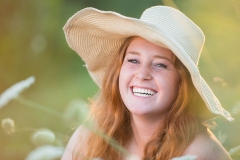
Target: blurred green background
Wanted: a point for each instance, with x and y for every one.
(32, 43)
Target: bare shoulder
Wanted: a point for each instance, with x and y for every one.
(77, 140)
(206, 147)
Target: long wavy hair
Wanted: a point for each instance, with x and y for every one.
(182, 124)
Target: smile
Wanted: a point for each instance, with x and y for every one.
(141, 92)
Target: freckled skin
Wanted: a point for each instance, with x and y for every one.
(148, 66)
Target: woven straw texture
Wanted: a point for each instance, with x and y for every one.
(96, 37)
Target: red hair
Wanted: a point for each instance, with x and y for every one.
(181, 125)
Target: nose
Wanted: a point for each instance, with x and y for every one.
(144, 73)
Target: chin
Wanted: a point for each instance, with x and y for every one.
(141, 112)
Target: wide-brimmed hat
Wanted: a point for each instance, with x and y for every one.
(97, 35)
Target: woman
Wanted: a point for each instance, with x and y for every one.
(153, 99)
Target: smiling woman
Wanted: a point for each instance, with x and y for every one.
(153, 99)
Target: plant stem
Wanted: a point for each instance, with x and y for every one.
(39, 107)
(90, 125)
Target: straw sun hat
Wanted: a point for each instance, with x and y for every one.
(97, 35)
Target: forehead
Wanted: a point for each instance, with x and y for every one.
(142, 46)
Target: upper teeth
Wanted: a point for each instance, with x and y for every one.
(143, 92)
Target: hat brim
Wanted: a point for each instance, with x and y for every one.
(97, 36)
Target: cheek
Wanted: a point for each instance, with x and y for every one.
(175, 85)
(171, 85)
(125, 75)
(122, 80)
(123, 84)
(125, 78)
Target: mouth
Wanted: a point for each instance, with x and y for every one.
(143, 92)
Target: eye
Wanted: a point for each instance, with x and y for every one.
(160, 65)
(133, 61)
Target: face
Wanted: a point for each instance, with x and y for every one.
(148, 80)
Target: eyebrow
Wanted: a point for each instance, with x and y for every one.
(161, 57)
(155, 56)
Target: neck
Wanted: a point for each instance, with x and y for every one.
(143, 129)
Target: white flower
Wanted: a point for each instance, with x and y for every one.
(221, 137)
(77, 110)
(46, 152)
(15, 90)
(234, 150)
(43, 137)
(220, 80)
(236, 108)
(8, 125)
(187, 157)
